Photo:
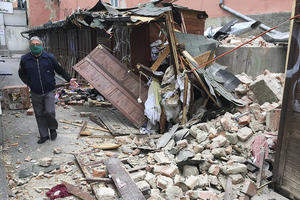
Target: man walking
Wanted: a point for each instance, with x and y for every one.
(37, 70)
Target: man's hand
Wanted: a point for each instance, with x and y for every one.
(73, 83)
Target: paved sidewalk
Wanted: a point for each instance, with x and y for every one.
(3, 182)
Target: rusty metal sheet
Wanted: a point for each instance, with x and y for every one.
(115, 82)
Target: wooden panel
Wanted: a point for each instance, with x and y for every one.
(114, 81)
(287, 162)
(193, 24)
(115, 122)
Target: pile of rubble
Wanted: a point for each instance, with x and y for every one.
(79, 96)
(233, 41)
(229, 157)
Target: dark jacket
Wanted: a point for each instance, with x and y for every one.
(39, 72)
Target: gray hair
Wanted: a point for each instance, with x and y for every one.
(36, 38)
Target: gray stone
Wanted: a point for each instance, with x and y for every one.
(213, 180)
(235, 168)
(192, 182)
(151, 179)
(241, 89)
(204, 166)
(256, 126)
(160, 157)
(198, 128)
(219, 152)
(163, 182)
(138, 176)
(219, 141)
(35, 169)
(126, 150)
(144, 187)
(232, 137)
(105, 193)
(190, 170)
(236, 178)
(237, 159)
(198, 148)
(244, 134)
(174, 192)
(45, 162)
(203, 180)
(207, 154)
(184, 155)
(201, 136)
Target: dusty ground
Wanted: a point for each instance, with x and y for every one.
(21, 142)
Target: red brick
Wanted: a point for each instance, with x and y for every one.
(245, 120)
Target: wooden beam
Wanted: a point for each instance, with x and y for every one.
(82, 129)
(123, 182)
(76, 191)
(172, 40)
(161, 57)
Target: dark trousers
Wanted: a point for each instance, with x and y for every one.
(44, 109)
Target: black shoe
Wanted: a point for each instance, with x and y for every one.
(42, 140)
(53, 134)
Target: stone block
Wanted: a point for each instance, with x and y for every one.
(174, 192)
(219, 152)
(198, 128)
(203, 180)
(237, 159)
(214, 169)
(45, 162)
(160, 157)
(105, 193)
(163, 182)
(192, 182)
(182, 144)
(151, 179)
(266, 90)
(138, 176)
(144, 187)
(235, 168)
(16, 97)
(244, 120)
(201, 136)
(219, 141)
(232, 137)
(244, 134)
(236, 178)
(169, 170)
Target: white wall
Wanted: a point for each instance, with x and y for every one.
(14, 41)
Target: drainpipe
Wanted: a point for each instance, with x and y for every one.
(273, 36)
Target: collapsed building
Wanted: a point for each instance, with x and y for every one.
(154, 65)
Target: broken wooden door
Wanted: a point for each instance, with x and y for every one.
(115, 82)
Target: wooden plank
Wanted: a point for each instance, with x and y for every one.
(165, 138)
(123, 182)
(172, 40)
(76, 191)
(162, 56)
(185, 96)
(80, 125)
(82, 128)
(115, 82)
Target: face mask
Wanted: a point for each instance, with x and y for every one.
(36, 49)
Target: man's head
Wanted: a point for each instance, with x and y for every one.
(36, 46)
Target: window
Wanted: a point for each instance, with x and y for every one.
(114, 3)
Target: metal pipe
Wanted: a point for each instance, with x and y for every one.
(274, 35)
